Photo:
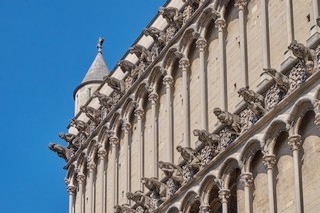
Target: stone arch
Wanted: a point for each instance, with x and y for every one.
(173, 209)
(208, 15)
(170, 58)
(81, 162)
(190, 203)
(188, 37)
(128, 108)
(273, 131)
(103, 136)
(115, 122)
(156, 74)
(208, 185)
(71, 175)
(249, 151)
(92, 148)
(297, 113)
(227, 167)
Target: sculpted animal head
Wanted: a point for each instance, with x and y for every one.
(293, 45)
(217, 111)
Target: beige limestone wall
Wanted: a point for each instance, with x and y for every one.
(135, 157)
(303, 19)
(148, 148)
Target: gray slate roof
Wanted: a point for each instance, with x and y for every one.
(97, 70)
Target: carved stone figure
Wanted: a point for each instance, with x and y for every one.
(141, 52)
(116, 84)
(282, 81)
(172, 16)
(254, 100)
(229, 119)
(171, 170)
(157, 188)
(61, 151)
(123, 209)
(206, 137)
(158, 35)
(104, 100)
(92, 113)
(71, 139)
(140, 199)
(188, 154)
(81, 126)
(303, 53)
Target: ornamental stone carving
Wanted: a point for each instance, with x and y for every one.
(174, 176)
(204, 209)
(189, 155)
(297, 76)
(295, 142)
(116, 84)
(61, 151)
(133, 69)
(72, 140)
(232, 121)
(81, 126)
(241, 4)
(123, 209)
(281, 80)
(269, 160)
(93, 114)
(157, 188)
(158, 36)
(172, 16)
(105, 100)
(207, 138)
(143, 54)
(304, 54)
(317, 111)
(254, 100)
(246, 179)
(140, 199)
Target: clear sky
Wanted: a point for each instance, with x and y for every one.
(46, 47)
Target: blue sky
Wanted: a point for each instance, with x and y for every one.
(46, 47)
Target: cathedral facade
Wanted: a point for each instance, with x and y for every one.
(215, 108)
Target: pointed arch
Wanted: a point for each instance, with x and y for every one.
(191, 201)
(249, 151)
(228, 166)
(207, 186)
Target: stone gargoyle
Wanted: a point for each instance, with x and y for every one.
(229, 119)
(93, 114)
(254, 100)
(303, 53)
(282, 80)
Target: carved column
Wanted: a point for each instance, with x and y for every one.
(184, 66)
(316, 10)
(126, 126)
(295, 144)
(265, 34)
(201, 45)
(102, 153)
(269, 160)
(139, 114)
(221, 24)
(204, 209)
(247, 181)
(114, 141)
(91, 167)
(71, 190)
(242, 4)
(290, 24)
(224, 195)
(81, 178)
(153, 97)
(168, 81)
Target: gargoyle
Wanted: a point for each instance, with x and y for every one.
(104, 100)
(123, 209)
(282, 81)
(158, 35)
(71, 139)
(60, 150)
(158, 188)
(229, 119)
(254, 100)
(92, 113)
(206, 137)
(81, 126)
(140, 199)
(141, 52)
(189, 155)
(172, 16)
(303, 53)
(171, 170)
(116, 84)
(127, 66)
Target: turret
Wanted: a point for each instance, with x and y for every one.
(92, 79)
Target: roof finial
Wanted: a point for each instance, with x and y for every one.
(99, 45)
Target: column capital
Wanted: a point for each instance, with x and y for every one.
(91, 166)
(114, 141)
(269, 160)
(204, 209)
(102, 153)
(153, 97)
(201, 44)
(224, 195)
(295, 142)
(246, 179)
(241, 4)
(168, 80)
(184, 63)
(81, 178)
(139, 113)
(71, 189)
(220, 23)
(125, 126)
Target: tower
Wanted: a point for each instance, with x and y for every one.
(92, 79)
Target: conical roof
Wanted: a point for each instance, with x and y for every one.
(97, 71)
